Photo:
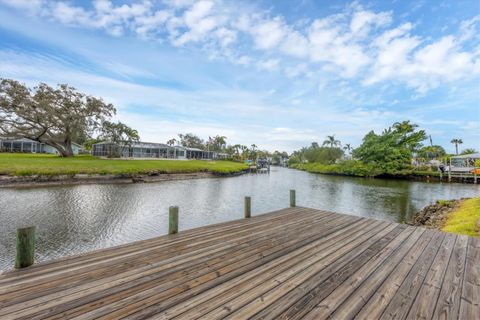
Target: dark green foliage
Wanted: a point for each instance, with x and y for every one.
(349, 168)
(217, 143)
(54, 116)
(331, 142)
(431, 152)
(324, 155)
(391, 151)
(191, 140)
(293, 159)
(468, 151)
(118, 133)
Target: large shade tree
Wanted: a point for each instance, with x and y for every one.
(392, 150)
(54, 116)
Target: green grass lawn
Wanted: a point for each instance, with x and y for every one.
(26, 164)
(465, 219)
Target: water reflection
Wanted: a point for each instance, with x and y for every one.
(77, 219)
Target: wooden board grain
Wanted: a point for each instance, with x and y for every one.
(294, 263)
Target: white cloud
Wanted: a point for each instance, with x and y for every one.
(331, 45)
(268, 34)
(295, 44)
(362, 21)
(269, 64)
(401, 58)
(354, 43)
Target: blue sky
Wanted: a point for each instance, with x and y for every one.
(279, 74)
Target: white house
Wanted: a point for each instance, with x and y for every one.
(150, 150)
(30, 146)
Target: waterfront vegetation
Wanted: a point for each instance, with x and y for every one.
(358, 169)
(465, 219)
(390, 153)
(26, 164)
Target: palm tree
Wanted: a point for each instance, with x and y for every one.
(405, 126)
(469, 151)
(219, 143)
(456, 142)
(171, 142)
(331, 141)
(244, 151)
(253, 152)
(347, 147)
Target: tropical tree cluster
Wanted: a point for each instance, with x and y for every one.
(330, 152)
(393, 149)
(57, 116)
(428, 153)
(388, 152)
(218, 143)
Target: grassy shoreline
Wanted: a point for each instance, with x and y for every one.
(464, 219)
(20, 164)
(356, 169)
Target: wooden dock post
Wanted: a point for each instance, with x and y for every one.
(292, 199)
(25, 247)
(173, 220)
(248, 207)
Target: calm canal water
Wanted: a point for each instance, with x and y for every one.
(75, 219)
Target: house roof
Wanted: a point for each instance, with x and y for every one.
(192, 149)
(155, 145)
(468, 156)
(16, 139)
(139, 144)
(30, 140)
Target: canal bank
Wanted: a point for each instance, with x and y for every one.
(411, 175)
(30, 170)
(459, 216)
(32, 181)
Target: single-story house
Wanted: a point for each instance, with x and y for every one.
(195, 153)
(30, 146)
(149, 150)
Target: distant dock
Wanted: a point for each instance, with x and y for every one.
(295, 263)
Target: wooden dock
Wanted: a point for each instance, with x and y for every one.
(290, 264)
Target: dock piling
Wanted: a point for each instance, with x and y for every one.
(292, 199)
(173, 220)
(25, 247)
(248, 207)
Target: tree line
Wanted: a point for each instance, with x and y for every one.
(218, 143)
(388, 152)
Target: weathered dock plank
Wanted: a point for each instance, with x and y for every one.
(295, 263)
